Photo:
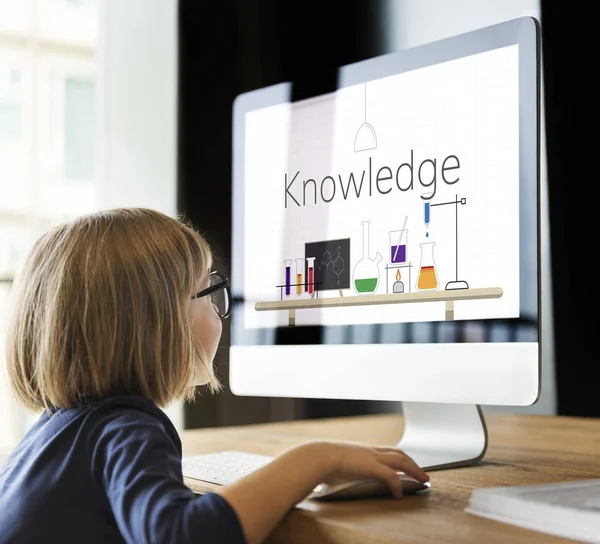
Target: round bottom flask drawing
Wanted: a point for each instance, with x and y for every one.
(365, 276)
(427, 279)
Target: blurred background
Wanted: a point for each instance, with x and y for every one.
(107, 103)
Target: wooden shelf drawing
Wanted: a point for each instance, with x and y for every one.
(448, 297)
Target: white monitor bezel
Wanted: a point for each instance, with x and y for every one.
(496, 373)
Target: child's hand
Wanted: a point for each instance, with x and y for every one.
(356, 462)
(262, 498)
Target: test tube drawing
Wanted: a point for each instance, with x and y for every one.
(288, 276)
(311, 274)
(299, 272)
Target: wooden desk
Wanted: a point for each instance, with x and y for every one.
(522, 450)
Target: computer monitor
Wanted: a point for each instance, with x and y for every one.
(386, 238)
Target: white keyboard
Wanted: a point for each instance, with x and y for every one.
(224, 467)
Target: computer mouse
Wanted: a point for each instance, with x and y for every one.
(365, 489)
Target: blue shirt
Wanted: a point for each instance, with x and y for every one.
(107, 472)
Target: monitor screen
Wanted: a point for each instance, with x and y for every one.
(398, 214)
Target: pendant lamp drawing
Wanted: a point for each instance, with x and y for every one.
(366, 138)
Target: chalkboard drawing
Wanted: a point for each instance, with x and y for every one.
(329, 258)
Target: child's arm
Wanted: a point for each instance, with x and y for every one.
(262, 498)
(136, 460)
(137, 467)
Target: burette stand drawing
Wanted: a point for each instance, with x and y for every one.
(456, 283)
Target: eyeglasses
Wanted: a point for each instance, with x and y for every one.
(220, 294)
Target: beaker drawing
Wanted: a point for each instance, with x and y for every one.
(427, 279)
(366, 272)
(310, 275)
(299, 273)
(398, 241)
(288, 276)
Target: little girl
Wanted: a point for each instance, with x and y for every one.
(113, 319)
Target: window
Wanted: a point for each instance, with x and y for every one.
(48, 105)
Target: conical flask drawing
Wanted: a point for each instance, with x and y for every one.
(428, 278)
(365, 276)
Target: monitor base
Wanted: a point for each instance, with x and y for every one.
(440, 436)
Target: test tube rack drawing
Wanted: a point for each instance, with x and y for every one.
(299, 286)
(448, 297)
(305, 279)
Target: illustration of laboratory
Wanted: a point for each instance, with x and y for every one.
(401, 268)
(329, 264)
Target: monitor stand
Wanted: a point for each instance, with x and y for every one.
(439, 435)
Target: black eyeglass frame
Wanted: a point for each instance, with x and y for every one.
(223, 284)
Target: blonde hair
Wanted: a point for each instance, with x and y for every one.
(101, 308)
